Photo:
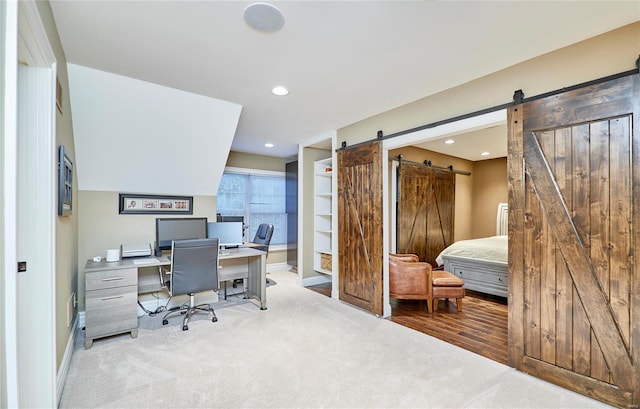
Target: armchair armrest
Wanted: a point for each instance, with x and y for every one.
(409, 279)
(404, 257)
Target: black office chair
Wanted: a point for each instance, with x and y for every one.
(263, 236)
(194, 268)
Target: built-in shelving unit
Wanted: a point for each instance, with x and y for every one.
(323, 205)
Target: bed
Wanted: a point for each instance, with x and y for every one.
(482, 263)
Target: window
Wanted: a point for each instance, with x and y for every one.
(259, 196)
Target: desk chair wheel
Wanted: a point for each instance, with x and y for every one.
(165, 322)
(214, 319)
(185, 327)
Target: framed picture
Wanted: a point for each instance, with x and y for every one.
(65, 183)
(131, 203)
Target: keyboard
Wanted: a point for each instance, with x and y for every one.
(142, 261)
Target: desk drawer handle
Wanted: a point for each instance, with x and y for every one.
(112, 279)
(113, 297)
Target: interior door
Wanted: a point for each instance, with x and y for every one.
(291, 207)
(574, 175)
(360, 226)
(426, 199)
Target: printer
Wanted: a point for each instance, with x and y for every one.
(135, 250)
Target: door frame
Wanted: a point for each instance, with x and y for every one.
(473, 123)
(9, 390)
(36, 222)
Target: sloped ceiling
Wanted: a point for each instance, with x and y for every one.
(137, 137)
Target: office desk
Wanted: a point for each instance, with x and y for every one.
(112, 289)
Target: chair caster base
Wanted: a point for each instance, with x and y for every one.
(165, 322)
(214, 319)
(185, 327)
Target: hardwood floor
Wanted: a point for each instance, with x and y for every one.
(481, 327)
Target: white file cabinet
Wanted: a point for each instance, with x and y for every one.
(111, 301)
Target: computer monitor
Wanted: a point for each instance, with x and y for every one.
(169, 229)
(229, 233)
(221, 218)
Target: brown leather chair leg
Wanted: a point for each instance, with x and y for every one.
(435, 304)
(429, 309)
(459, 300)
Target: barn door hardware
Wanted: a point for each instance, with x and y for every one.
(429, 164)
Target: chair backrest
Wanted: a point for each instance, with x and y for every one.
(263, 235)
(194, 266)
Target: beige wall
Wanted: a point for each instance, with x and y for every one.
(598, 57)
(252, 161)
(489, 188)
(101, 227)
(66, 268)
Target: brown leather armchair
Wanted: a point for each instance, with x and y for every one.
(410, 279)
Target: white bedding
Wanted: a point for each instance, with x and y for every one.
(492, 248)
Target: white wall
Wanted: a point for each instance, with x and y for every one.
(135, 136)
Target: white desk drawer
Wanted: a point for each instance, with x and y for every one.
(110, 311)
(97, 280)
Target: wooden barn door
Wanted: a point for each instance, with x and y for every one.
(426, 199)
(574, 220)
(360, 226)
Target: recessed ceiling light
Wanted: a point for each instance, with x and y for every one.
(280, 91)
(449, 141)
(268, 145)
(263, 17)
(485, 154)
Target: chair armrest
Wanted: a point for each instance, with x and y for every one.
(404, 257)
(410, 278)
(163, 271)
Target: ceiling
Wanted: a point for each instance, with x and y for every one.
(341, 61)
(472, 145)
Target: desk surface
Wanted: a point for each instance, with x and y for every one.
(128, 262)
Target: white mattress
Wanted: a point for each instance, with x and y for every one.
(492, 248)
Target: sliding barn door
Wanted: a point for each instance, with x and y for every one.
(360, 226)
(574, 218)
(426, 201)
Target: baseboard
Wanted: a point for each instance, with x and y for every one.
(278, 267)
(321, 279)
(66, 359)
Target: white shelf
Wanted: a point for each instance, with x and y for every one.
(323, 216)
(323, 271)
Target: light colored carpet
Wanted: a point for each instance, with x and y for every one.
(305, 351)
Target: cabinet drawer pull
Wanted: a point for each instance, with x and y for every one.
(113, 297)
(112, 279)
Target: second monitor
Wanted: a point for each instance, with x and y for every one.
(229, 233)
